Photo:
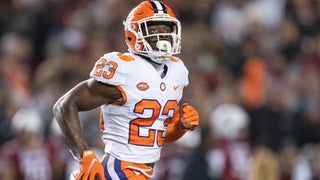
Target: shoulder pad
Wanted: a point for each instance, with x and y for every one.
(110, 68)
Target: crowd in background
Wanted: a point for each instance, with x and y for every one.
(254, 77)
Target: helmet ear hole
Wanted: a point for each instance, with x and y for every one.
(129, 38)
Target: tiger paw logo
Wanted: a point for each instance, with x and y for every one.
(162, 86)
(142, 86)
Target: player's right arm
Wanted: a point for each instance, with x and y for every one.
(87, 95)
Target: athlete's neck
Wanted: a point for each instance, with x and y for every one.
(158, 67)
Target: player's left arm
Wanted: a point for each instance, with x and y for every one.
(186, 119)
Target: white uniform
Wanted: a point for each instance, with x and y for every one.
(134, 131)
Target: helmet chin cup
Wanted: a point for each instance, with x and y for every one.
(159, 57)
(164, 46)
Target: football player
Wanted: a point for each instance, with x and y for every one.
(138, 93)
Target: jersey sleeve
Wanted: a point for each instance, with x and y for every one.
(186, 76)
(109, 70)
(183, 71)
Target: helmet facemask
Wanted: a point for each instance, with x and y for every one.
(164, 48)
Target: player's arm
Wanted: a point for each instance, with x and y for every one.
(85, 96)
(186, 119)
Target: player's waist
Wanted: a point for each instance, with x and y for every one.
(151, 165)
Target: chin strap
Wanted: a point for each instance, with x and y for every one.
(154, 59)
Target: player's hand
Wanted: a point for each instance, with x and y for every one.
(189, 117)
(90, 167)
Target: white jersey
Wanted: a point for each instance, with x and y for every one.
(134, 131)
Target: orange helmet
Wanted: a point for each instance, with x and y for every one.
(136, 31)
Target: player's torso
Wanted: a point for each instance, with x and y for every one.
(139, 124)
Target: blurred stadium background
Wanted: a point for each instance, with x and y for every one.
(254, 72)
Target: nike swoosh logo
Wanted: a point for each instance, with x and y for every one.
(176, 87)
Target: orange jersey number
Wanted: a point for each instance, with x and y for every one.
(109, 73)
(135, 124)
